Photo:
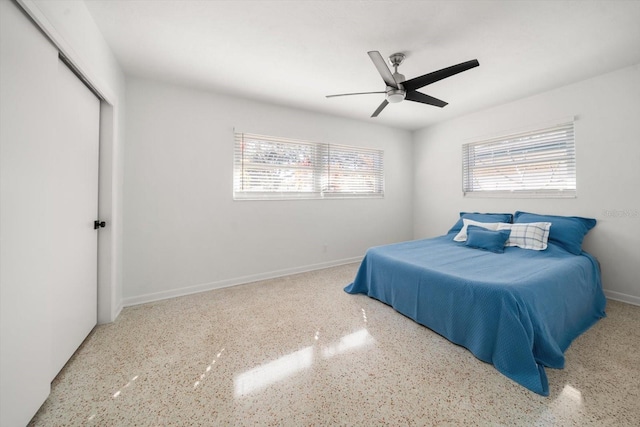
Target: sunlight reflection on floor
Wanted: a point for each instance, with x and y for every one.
(284, 367)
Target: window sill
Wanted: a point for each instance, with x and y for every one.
(521, 195)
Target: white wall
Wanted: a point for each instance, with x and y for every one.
(608, 161)
(184, 233)
(69, 24)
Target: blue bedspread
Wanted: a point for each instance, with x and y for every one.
(519, 310)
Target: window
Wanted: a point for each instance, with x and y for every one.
(276, 168)
(540, 163)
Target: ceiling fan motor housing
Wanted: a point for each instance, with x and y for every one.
(395, 95)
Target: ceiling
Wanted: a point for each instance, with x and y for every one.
(293, 53)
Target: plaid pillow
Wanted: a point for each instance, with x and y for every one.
(532, 235)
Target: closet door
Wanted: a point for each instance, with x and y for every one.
(74, 207)
(27, 93)
(49, 124)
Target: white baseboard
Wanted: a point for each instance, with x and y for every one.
(617, 296)
(157, 296)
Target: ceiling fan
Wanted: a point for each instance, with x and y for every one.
(399, 89)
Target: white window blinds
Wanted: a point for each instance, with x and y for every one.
(276, 168)
(539, 163)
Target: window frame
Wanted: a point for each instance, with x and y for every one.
(551, 147)
(322, 174)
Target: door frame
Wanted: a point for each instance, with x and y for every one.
(110, 176)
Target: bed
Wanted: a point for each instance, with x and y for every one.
(518, 310)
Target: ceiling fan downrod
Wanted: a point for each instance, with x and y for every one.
(395, 95)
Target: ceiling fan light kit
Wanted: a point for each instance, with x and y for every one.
(395, 95)
(399, 89)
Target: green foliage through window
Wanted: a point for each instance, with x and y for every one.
(277, 168)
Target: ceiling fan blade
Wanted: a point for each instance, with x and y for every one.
(380, 108)
(427, 79)
(384, 71)
(424, 99)
(348, 94)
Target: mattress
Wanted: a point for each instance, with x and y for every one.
(518, 310)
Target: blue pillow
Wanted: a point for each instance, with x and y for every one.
(480, 217)
(566, 231)
(489, 240)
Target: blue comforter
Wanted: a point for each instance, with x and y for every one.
(519, 310)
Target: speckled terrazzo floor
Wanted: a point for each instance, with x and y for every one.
(298, 351)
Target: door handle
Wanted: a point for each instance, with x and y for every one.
(97, 224)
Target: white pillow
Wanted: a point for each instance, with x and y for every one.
(531, 235)
(462, 235)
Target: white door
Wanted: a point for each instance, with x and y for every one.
(27, 92)
(74, 207)
(48, 201)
